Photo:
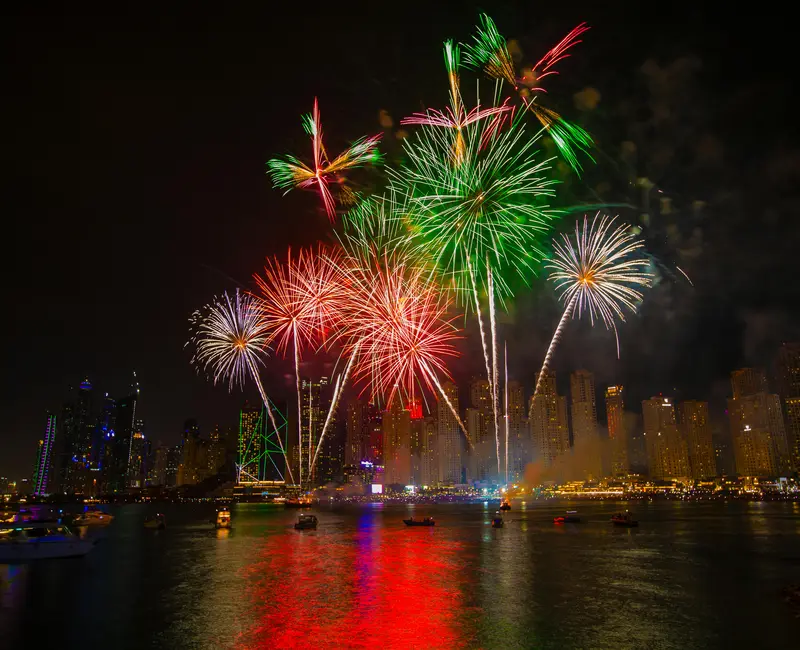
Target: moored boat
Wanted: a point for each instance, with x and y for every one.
(223, 518)
(93, 516)
(40, 540)
(497, 522)
(570, 518)
(427, 521)
(158, 522)
(505, 505)
(306, 522)
(624, 519)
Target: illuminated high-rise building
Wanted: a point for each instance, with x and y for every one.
(429, 452)
(760, 443)
(667, 451)
(748, 381)
(548, 422)
(44, 461)
(173, 465)
(483, 463)
(375, 434)
(450, 439)
(315, 400)
(357, 429)
(791, 406)
(788, 370)
(617, 433)
(788, 386)
(118, 445)
(519, 447)
(584, 406)
(696, 429)
(583, 410)
(480, 425)
(396, 424)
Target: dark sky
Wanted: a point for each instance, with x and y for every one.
(135, 146)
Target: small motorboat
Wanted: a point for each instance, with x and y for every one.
(298, 503)
(306, 522)
(223, 518)
(40, 540)
(93, 516)
(427, 521)
(624, 519)
(570, 518)
(158, 522)
(505, 505)
(497, 522)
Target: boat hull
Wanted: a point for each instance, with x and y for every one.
(409, 522)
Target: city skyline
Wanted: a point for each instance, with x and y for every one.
(99, 445)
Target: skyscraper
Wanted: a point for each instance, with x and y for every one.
(519, 446)
(45, 457)
(548, 422)
(450, 439)
(617, 433)
(429, 452)
(252, 420)
(788, 370)
(396, 444)
(585, 438)
(760, 444)
(121, 441)
(315, 400)
(696, 429)
(480, 425)
(357, 441)
(583, 407)
(788, 385)
(667, 451)
(748, 381)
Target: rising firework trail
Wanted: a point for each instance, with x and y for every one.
(289, 172)
(598, 272)
(231, 341)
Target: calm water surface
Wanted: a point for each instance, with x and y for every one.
(692, 576)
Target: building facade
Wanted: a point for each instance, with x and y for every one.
(617, 433)
(667, 451)
(696, 429)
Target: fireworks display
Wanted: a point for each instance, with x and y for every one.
(598, 272)
(231, 341)
(460, 220)
(490, 53)
(290, 172)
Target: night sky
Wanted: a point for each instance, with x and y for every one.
(135, 147)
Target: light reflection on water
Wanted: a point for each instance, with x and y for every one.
(693, 575)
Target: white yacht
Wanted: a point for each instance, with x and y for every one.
(40, 540)
(93, 516)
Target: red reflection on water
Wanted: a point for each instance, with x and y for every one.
(369, 588)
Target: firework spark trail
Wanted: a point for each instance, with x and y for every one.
(341, 382)
(543, 68)
(684, 275)
(290, 172)
(300, 300)
(299, 408)
(554, 342)
(483, 345)
(505, 354)
(271, 416)
(453, 410)
(493, 325)
(232, 340)
(598, 273)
